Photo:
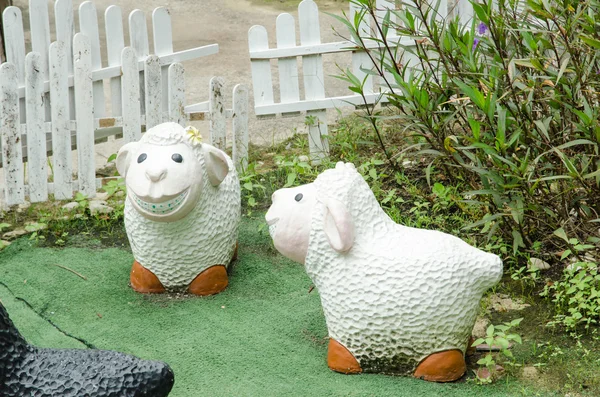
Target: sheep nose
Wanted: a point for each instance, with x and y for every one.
(156, 174)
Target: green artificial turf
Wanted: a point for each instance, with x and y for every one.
(265, 335)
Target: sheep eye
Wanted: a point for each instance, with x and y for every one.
(177, 158)
(298, 197)
(142, 157)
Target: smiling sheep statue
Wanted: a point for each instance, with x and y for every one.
(182, 211)
(396, 299)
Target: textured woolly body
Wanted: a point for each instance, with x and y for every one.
(400, 293)
(176, 252)
(26, 370)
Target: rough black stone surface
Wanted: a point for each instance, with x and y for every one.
(29, 371)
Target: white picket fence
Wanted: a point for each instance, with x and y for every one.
(311, 51)
(53, 98)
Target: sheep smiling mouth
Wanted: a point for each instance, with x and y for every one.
(161, 208)
(272, 223)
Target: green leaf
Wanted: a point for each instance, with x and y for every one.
(590, 41)
(473, 93)
(560, 232)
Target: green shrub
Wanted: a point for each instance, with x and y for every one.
(576, 297)
(507, 105)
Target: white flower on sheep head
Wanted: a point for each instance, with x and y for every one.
(194, 136)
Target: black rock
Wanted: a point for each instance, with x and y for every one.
(30, 371)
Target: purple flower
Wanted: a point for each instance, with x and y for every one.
(482, 28)
(475, 42)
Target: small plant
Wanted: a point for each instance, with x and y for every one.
(81, 199)
(576, 297)
(497, 336)
(35, 229)
(115, 185)
(4, 225)
(251, 187)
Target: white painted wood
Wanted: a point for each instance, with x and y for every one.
(360, 59)
(163, 45)
(186, 55)
(312, 67)
(39, 25)
(316, 104)
(324, 48)
(176, 94)
(61, 133)
(196, 107)
(465, 12)
(36, 137)
(240, 127)
(262, 83)
(88, 25)
(10, 137)
(138, 40)
(65, 30)
(138, 34)
(288, 67)
(132, 130)
(115, 42)
(84, 110)
(115, 71)
(218, 121)
(153, 92)
(14, 39)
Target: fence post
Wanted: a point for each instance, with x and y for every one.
(138, 40)
(176, 94)
(10, 133)
(153, 89)
(84, 111)
(36, 133)
(163, 44)
(61, 133)
(312, 66)
(130, 90)
(262, 83)
(115, 43)
(65, 28)
(288, 67)
(240, 127)
(218, 118)
(14, 38)
(88, 25)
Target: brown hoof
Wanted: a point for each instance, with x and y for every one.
(211, 281)
(339, 359)
(144, 281)
(446, 366)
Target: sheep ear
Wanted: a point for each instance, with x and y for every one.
(217, 167)
(339, 227)
(124, 157)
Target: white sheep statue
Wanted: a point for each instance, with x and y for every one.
(396, 299)
(182, 211)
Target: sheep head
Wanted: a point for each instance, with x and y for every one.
(291, 215)
(164, 171)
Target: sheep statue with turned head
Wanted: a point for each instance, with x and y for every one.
(396, 299)
(182, 211)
